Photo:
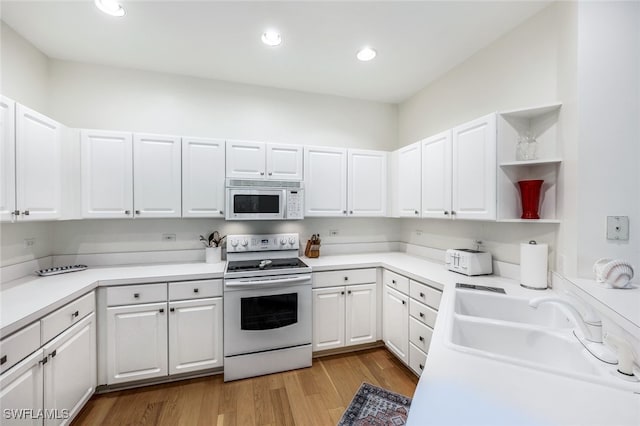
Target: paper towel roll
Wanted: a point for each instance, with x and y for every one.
(533, 265)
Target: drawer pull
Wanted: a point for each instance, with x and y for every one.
(346, 278)
(348, 291)
(136, 295)
(422, 295)
(3, 360)
(43, 361)
(393, 281)
(196, 290)
(342, 292)
(53, 354)
(421, 367)
(162, 310)
(75, 314)
(421, 338)
(421, 315)
(172, 309)
(404, 303)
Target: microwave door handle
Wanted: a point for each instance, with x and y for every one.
(263, 282)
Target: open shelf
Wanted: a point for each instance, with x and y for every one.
(542, 123)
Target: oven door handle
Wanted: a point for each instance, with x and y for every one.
(263, 282)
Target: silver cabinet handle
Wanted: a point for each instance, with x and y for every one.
(452, 212)
(270, 174)
(261, 173)
(421, 315)
(196, 290)
(127, 212)
(404, 303)
(53, 354)
(446, 213)
(421, 338)
(393, 281)
(137, 211)
(344, 211)
(350, 211)
(16, 212)
(172, 309)
(346, 278)
(75, 314)
(421, 367)
(136, 295)
(162, 310)
(348, 291)
(421, 294)
(342, 292)
(3, 360)
(26, 212)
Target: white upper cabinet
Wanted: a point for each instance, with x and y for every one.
(7, 159)
(436, 176)
(203, 172)
(246, 159)
(409, 168)
(474, 169)
(325, 179)
(157, 176)
(38, 173)
(284, 162)
(260, 160)
(367, 189)
(107, 174)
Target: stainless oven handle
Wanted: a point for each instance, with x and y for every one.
(296, 279)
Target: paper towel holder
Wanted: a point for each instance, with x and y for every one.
(537, 286)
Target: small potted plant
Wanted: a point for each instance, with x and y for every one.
(213, 249)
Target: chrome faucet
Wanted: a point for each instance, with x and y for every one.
(590, 327)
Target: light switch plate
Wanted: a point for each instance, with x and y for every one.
(618, 228)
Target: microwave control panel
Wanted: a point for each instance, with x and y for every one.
(295, 204)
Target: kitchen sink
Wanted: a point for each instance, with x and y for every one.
(506, 308)
(556, 351)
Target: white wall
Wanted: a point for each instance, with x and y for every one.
(23, 70)
(93, 96)
(609, 134)
(13, 248)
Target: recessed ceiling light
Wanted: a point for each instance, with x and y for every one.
(366, 54)
(271, 38)
(110, 7)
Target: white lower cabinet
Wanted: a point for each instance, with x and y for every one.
(51, 385)
(21, 388)
(395, 320)
(136, 342)
(70, 371)
(344, 316)
(195, 337)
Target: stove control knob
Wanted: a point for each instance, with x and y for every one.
(283, 241)
(292, 240)
(234, 243)
(245, 243)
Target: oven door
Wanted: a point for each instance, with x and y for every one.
(254, 204)
(266, 313)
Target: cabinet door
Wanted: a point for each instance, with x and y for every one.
(246, 159)
(284, 162)
(38, 172)
(395, 323)
(325, 180)
(436, 176)
(203, 168)
(7, 159)
(361, 314)
(136, 342)
(21, 388)
(107, 174)
(156, 176)
(328, 318)
(195, 335)
(409, 180)
(474, 169)
(70, 373)
(367, 191)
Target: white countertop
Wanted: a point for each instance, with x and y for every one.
(27, 299)
(456, 388)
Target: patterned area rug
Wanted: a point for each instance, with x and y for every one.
(376, 406)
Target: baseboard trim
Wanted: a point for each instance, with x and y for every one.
(348, 349)
(102, 389)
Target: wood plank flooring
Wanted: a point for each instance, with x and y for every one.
(311, 396)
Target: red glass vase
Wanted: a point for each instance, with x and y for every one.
(530, 195)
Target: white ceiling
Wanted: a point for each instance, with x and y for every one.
(417, 41)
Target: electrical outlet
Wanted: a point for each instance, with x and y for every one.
(418, 232)
(29, 242)
(168, 237)
(618, 228)
(333, 232)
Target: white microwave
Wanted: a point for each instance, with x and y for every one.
(264, 200)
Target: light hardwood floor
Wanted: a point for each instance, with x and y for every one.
(311, 396)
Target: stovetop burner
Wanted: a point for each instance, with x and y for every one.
(265, 264)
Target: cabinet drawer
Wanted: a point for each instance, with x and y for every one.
(136, 294)
(396, 281)
(417, 359)
(346, 277)
(195, 289)
(57, 322)
(425, 294)
(420, 335)
(19, 345)
(423, 313)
